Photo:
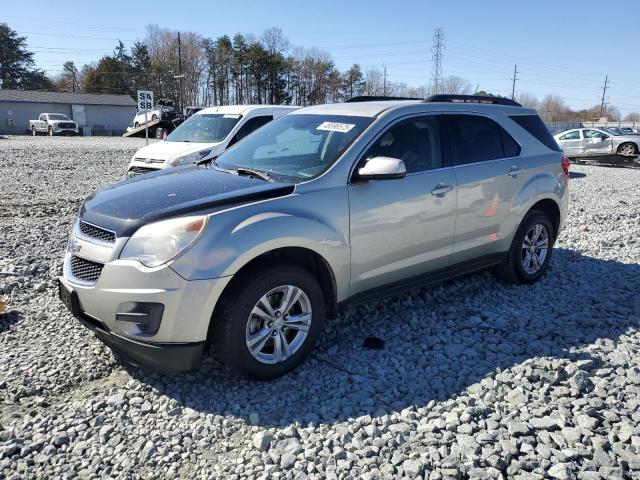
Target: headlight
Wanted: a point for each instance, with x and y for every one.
(192, 157)
(159, 242)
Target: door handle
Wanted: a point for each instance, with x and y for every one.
(514, 171)
(441, 189)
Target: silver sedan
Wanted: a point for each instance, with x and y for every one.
(586, 142)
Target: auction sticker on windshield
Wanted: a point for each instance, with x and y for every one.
(336, 127)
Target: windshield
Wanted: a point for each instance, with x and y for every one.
(205, 128)
(58, 117)
(295, 147)
(613, 130)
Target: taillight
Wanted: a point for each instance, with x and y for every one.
(566, 163)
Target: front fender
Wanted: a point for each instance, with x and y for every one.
(233, 239)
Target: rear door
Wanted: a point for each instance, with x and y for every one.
(489, 171)
(571, 143)
(404, 227)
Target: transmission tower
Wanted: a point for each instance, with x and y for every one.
(436, 57)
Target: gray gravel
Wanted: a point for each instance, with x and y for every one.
(477, 379)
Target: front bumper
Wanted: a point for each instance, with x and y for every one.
(66, 131)
(177, 343)
(164, 358)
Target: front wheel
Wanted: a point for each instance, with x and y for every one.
(50, 132)
(270, 323)
(530, 252)
(627, 150)
(34, 133)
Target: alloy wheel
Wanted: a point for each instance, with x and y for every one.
(278, 324)
(535, 248)
(627, 150)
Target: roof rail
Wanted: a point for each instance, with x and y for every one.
(375, 98)
(472, 99)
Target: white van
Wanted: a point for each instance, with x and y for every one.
(205, 134)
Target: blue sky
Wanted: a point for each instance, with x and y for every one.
(560, 47)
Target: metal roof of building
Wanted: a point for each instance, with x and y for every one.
(62, 97)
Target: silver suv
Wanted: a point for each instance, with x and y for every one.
(325, 207)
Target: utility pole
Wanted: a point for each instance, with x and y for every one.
(180, 75)
(436, 57)
(384, 82)
(513, 86)
(604, 92)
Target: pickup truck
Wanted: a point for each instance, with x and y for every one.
(53, 124)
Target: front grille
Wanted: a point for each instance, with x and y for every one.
(67, 125)
(141, 170)
(85, 270)
(96, 232)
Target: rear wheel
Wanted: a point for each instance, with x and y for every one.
(530, 252)
(270, 323)
(136, 125)
(154, 118)
(628, 149)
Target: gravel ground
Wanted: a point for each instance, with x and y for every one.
(476, 380)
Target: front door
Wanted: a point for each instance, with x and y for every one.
(404, 227)
(595, 142)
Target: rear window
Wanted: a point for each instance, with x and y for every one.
(536, 127)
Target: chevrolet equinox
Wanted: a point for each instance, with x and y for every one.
(327, 206)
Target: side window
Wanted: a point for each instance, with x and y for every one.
(511, 148)
(593, 134)
(251, 126)
(43, 117)
(572, 135)
(478, 139)
(415, 141)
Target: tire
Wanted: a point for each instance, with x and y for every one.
(50, 132)
(34, 133)
(628, 149)
(154, 118)
(236, 325)
(512, 269)
(136, 125)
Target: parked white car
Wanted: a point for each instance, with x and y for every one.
(53, 124)
(164, 110)
(204, 135)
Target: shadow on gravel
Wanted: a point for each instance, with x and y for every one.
(575, 175)
(8, 319)
(438, 342)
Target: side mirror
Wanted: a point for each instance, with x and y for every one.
(382, 168)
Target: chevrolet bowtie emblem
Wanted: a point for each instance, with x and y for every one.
(73, 246)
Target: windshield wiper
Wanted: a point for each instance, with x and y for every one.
(242, 171)
(253, 173)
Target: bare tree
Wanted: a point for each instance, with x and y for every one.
(456, 86)
(632, 117)
(553, 109)
(374, 82)
(528, 100)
